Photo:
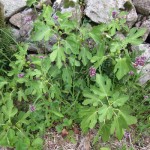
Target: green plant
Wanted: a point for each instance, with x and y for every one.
(69, 85)
(7, 49)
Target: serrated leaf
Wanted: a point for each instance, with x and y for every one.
(96, 32)
(104, 83)
(115, 46)
(135, 36)
(84, 56)
(42, 31)
(118, 125)
(119, 100)
(121, 68)
(21, 95)
(4, 139)
(53, 55)
(103, 113)
(105, 132)
(67, 75)
(139, 33)
(98, 60)
(74, 62)
(72, 43)
(91, 99)
(47, 12)
(58, 55)
(11, 135)
(129, 119)
(89, 118)
(9, 109)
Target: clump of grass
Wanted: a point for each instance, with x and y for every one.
(7, 43)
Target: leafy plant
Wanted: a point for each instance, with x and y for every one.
(69, 85)
(7, 49)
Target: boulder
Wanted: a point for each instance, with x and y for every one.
(12, 6)
(101, 10)
(146, 24)
(145, 71)
(76, 12)
(144, 49)
(145, 74)
(15, 33)
(24, 21)
(142, 6)
(132, 17)
(65, 6)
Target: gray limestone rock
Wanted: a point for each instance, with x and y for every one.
(145, 74)
(12, 6)
(146, 24)
(75, 10)
(145, 71)
(142, 6)
(24, 21)
(101, 10)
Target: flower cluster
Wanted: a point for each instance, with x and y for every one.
(92, 71)
(41, 57)
(55, 17)
(21, 75)
(127, 135)
(131, 73)
(140, 61)
(146, 97)
(114, 14)
(32, 108)
(27, 19)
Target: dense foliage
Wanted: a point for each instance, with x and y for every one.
(88, 78)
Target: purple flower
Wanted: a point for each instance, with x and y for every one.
(32, 66)
(127, 135)
(20, 75)
(114, 14)
(28, 19)
(140, 61)
(42, 57)
(55, 17)
(146, 97)
(32, 108)
(92, 71)
(131, 73)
